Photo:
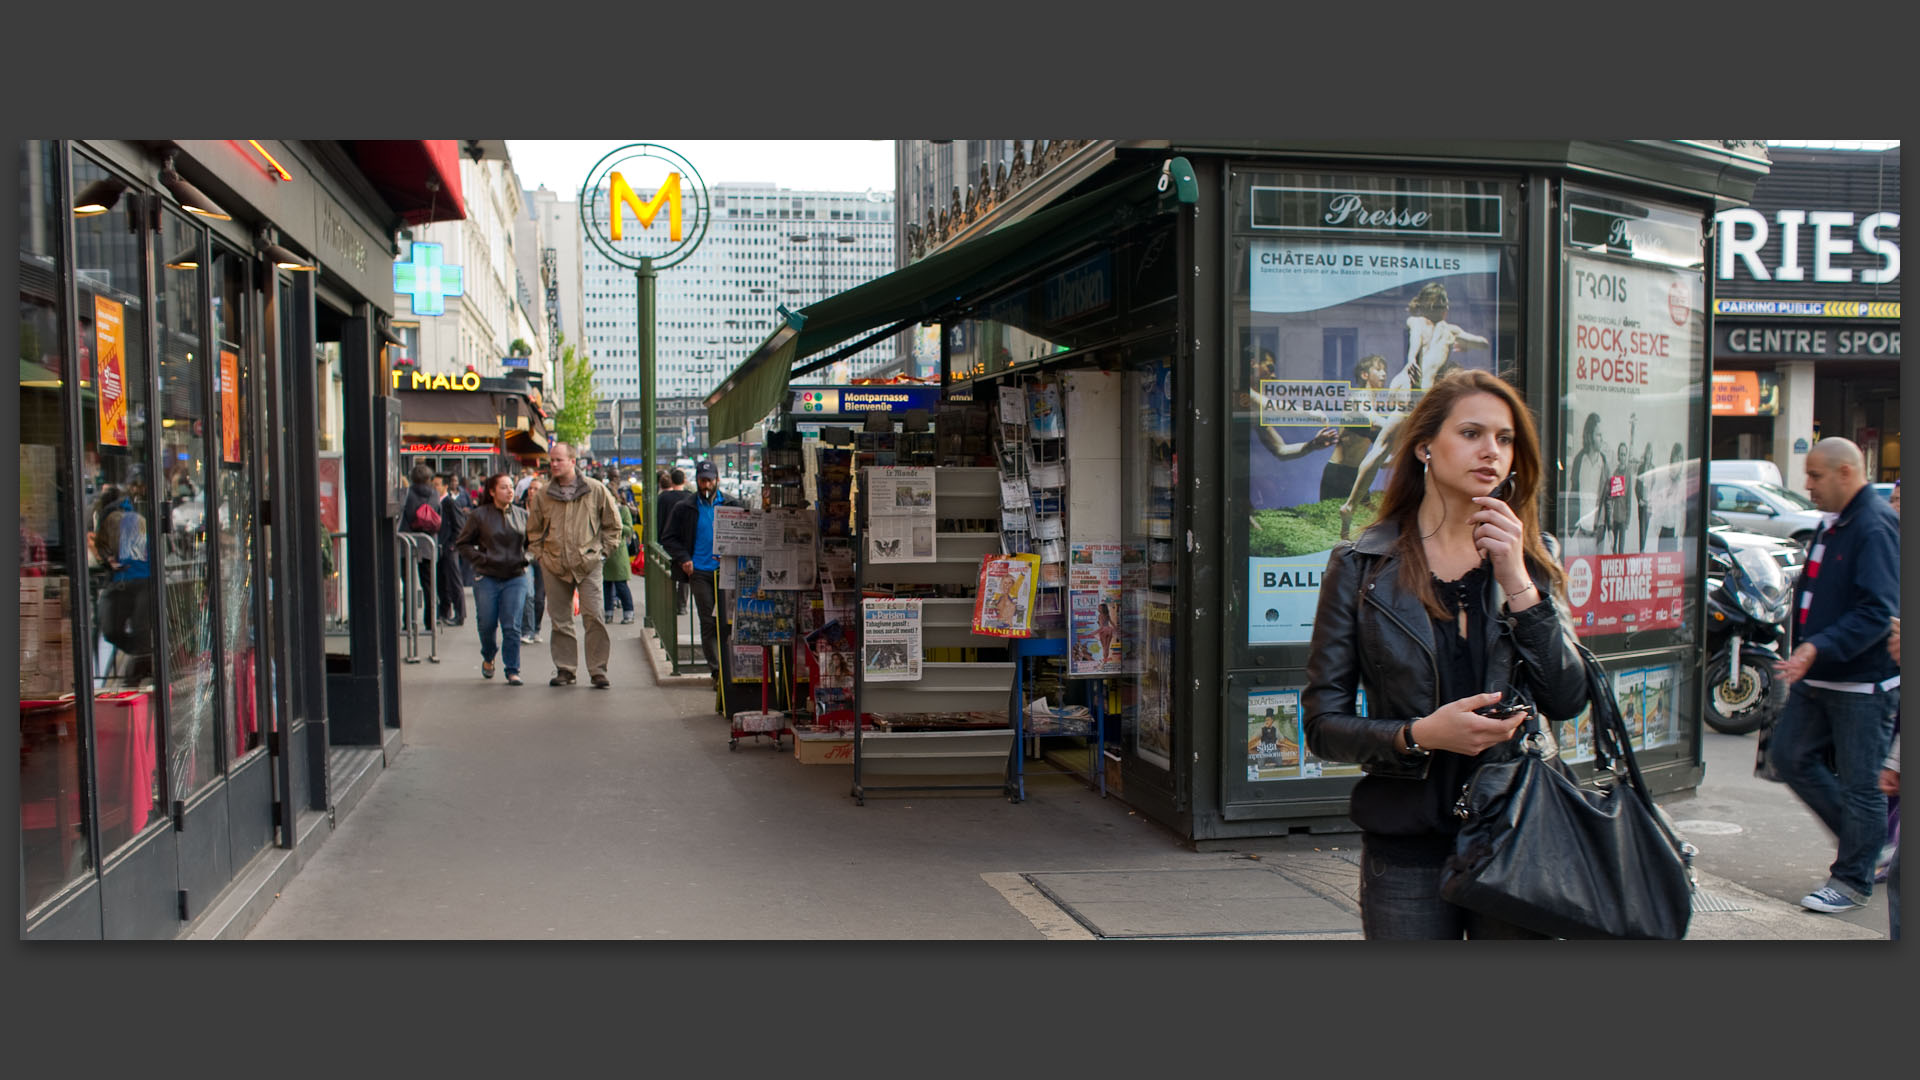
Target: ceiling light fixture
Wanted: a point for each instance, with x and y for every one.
(190, 198)
(99, 196)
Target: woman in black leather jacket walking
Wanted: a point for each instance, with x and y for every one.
(1449, 604)
(494, 540)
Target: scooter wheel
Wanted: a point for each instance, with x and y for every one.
(1749, 702)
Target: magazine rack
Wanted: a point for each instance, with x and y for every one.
(946, 623)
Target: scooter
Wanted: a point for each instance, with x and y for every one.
(1748, 600)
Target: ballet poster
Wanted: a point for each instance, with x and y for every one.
(1343, 336)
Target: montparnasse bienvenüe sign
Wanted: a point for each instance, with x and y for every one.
(643, 201)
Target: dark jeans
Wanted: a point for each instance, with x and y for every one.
(453, 593)
(497, 605)
(429, 589)
(706, 584)
(1855, 729)
(1401, 902)
(536, 601)
(618, 589)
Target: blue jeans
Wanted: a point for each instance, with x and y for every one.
(613, 589)
(498, 602)
(1856, 729)
(1401, 902)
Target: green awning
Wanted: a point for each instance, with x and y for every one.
(751, 392)
(923, 290)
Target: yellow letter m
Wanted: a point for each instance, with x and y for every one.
(669, 193)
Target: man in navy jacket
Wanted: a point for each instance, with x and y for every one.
(1845, 688)
(688, 540)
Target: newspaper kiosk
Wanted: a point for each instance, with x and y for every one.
(1219, 321)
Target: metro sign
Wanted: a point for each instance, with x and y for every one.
(627, 225)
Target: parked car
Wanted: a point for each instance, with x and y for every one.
(1746, 469)
(1885, 491)
(1759, 507)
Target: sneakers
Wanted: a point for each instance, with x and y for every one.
(627, 618)
(529, 639)
(1830, 900)
(561, 678)
(600, 682)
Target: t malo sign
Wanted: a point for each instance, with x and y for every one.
(420, 380)
(645, 203)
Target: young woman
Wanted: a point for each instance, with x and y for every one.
(494, 540)
(1448, 604)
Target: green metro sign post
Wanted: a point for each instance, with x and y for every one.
(646, 208)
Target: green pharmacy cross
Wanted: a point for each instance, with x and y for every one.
(426, 280)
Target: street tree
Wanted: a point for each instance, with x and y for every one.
(574, 422)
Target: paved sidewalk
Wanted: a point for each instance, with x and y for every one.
(564, 813)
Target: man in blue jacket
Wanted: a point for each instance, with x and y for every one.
(688, 540)
(1845, 688)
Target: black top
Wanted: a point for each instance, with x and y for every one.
(1412, 820)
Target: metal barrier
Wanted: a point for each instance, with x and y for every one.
(663, 612)
(410, 593)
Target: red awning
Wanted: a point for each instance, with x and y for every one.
(406, 173)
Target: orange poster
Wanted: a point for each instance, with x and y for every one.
(111, 375)
(1736, 393)
(230, 406)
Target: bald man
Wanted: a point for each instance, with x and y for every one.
(1844, 691)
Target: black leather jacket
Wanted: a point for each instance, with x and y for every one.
(494, 541)
(1369, 631)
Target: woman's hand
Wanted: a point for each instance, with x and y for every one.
(1456, 727)
(1497, 532)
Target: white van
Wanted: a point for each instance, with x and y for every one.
(1765, 472)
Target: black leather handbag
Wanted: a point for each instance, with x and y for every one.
(1541, 852)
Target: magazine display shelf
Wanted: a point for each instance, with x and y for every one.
(946, 623)
(1055, 646)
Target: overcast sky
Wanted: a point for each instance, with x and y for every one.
(824, 165)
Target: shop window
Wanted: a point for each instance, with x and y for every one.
(1340, 323)
(188, 370)
(1633, 360)
(120, 509)
(241, 569)
(55, 841)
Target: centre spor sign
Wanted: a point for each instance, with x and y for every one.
(643, 204)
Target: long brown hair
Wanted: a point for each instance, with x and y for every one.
(1407, 486)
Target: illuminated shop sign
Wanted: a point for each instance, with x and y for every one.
(448, 448)
(1818, 309)
(420, 380)
(427, 281)
(1349, 210)
(888, 399)
(644, 203)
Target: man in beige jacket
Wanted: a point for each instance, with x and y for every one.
(572, 522)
